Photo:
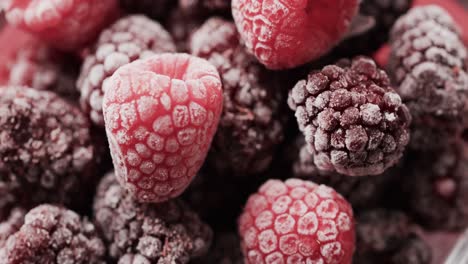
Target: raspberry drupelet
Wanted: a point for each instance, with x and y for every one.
(297, 221)
(67, 25)
(161, 114)
(147, 233)
(54, 235)
(130, 38)
(251, 125)
(428, 64)
(48, 153)
(353, 121)
(388, 235)
(285, 34)
(436, 187)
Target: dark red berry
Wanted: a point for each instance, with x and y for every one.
(353, 121)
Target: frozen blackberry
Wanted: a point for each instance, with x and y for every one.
(54, 235)
(147, 233)
(436, 187)
(11, 225)
(388, 236)
(47, 149)
(225, 250)
(353, 121)
(130, 38)
(428, 65)
(361, 192)
(157, 9)
(251, 125)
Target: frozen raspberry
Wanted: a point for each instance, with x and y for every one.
(388, 235)
(428, 64)
(47, 149)
(354, 122)
(285, 34)
(157, 9)
(67, 25)
(361, 192)
(27, 61)
(129, 39)
(225, 250)
(251, 123)
(296, 221)
(11, 225)
(53, 235)
(147, 233)
(436, 187)
(161, 114)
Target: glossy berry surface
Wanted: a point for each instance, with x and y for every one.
(160, 116)
(68, 25)
(296, 221)
(284, 34)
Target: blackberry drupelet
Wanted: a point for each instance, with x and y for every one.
(428, 64)
(130, 38)
(353, 121)
(147, 233)
(251, 124)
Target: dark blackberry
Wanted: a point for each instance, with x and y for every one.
(436, 187)
(353, 121)
(156, 9)
(225, 250)
(11, 225)
(251, 125)
(361, 192)
(130, 38)
(147, 233)
(54, 235)
(47, 150)
(378, 18)
(428, 65)
(388, 237)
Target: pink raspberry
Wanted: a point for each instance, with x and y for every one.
(67, 25)
(285, 34)
(297, 221)
(160, 115)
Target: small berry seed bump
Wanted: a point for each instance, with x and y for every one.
(160, 115)
(284, 34)
(297, 221)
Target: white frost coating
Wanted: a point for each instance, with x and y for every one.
(147, 106)
(163, 125)
(298, 208)
(298, 192)
(180, 116)
(255, 257)
(328, 209)
(331, 250)
(186, 136)
(197, 114)
(370, 114)
(344, 222)
(274, 258)
(143, 150)
(250, 237)
(161, 174)
(327, 231)
(267, 241)
(264, 220)
(147, 167)
(307, 224)
(166, 101)
(324, 191)
(133, 158)
(288, 244)
(281, 204)
(114, 61)
(284, 224)
(179, 91)
(311, 199)
(273, 188)
(155, 142)
(128, 115)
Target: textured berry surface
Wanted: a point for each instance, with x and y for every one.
(68, 25)
(428, 65)
(251, 125)
(353, 121)
(361, 192)
(285, 34)
(157, 9)
(147, 233)
(54, 235)
(129, 39)
(296, 221)
(47, 149)
(11, 225)
(161, 114)
(390, 236)
(436, 187)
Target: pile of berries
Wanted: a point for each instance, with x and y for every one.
(231, 131)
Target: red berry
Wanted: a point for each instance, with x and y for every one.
(297, 221)
(285, 34)
(160, 115)
(67, 25)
